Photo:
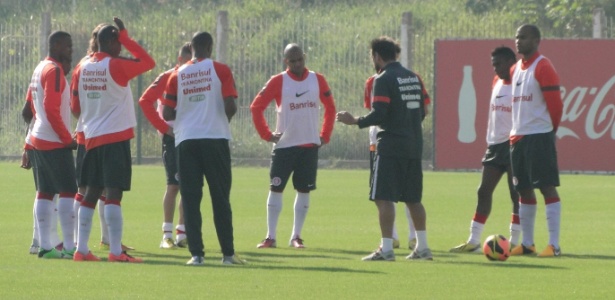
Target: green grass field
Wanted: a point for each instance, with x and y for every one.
(341, 228)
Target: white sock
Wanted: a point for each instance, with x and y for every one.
(104, 229)
(115, 223)
(302, 205)
(76, 205)
(54, 237)
(553, 211)
(67, 221)
(421, 240)
(35, 232)
(386, 244)
(43, 209)
(527, 218)
(411, 229)
(180, 232)
(515, 233)
(476, 230)
(167, 230)
(85, 216)
(274, 207)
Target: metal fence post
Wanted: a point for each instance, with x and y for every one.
(139, 118)
(45, 32)
(599, 23)
(407, 40)
(222, 30)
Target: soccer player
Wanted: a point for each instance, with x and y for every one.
(536, 111)
(496, 160)
(53, 144)
(296, 139)
(105, 105)
(398, 108)
(27, 163)
(200, 97)
(373, 141)
(154, 95)
(80, 137)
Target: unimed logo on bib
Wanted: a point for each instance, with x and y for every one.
(463, 78)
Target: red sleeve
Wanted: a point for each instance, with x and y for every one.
(226, 78)
(425, 94)
(326, 97)
(75, 106)
(367, 94)
(54, 83)
(149, 98)
(271, 91)
(170, 92)
(124, 69)
(549, 84)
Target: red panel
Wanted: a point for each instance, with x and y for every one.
(586, 137)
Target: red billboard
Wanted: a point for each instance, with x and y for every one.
(463, 78)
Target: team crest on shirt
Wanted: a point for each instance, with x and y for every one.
(276, 181)
(515, 181)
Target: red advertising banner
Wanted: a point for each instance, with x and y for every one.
(463, 77)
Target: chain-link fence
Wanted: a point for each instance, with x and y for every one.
(336, 48)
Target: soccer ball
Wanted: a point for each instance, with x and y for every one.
(496, 247)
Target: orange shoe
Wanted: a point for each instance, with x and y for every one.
(523, 250)
(124, 257)
(550, 251)
(267, 243)
(78, 256)
(105, 246)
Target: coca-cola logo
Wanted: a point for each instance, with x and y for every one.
(600, 114)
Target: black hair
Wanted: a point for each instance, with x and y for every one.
(202, 41)
(386, 47)
(107, 34)
(504, 52)
(56, 37)
(185, 50)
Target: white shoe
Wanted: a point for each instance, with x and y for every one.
(196, 261)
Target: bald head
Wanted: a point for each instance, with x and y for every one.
(527, 40)
(292, 48)
(531, 30)
(294, 58)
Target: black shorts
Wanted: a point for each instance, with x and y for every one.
(534, 161)
(169, 159)
(397, 179)
(301, 161)
(55, 171)
(108, 166)
(79, 163)
(30, 153)
(498, 156)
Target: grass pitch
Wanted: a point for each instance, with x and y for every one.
(341, 228)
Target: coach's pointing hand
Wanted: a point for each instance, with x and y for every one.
(346, 118)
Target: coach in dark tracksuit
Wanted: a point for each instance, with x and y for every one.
(398, 108)
(200, 97)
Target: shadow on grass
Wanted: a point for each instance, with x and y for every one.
(588, 256)
(506, 264)
(265, 259)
